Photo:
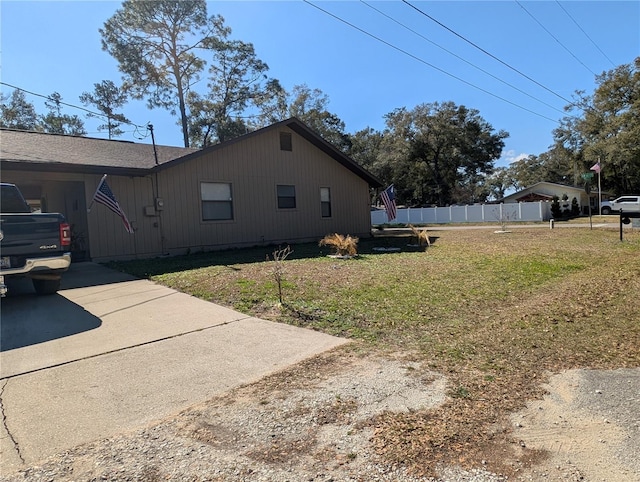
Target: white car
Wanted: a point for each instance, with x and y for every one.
(626, 204)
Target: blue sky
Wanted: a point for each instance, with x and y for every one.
(52, 46)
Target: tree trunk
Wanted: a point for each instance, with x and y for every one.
(183, 114)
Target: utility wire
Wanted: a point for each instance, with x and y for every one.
(95, 114)
(461, 58)
(488, 53)
(555, 38)
(585, 33)
(427, 63)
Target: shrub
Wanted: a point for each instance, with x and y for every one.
(556, 211)
(575, 207)
(343, 245)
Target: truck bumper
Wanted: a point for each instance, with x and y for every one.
(36, 267)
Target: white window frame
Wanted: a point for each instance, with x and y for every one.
(214, 192)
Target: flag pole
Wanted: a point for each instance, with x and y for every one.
(93, 199)
(599, 189)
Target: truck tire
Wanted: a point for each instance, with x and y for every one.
(606, 210)
(46, 286)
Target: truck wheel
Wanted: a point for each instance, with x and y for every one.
(606, 210)
(46, 286)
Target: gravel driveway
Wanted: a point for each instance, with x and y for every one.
(311, 423)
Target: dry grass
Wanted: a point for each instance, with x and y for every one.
(421, 235)
(343, 245)
(495, 313)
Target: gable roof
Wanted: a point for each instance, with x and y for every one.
(26, 150)
(543, 189)
(552, 185)
(538, 189)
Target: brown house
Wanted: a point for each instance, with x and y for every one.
(280, 184)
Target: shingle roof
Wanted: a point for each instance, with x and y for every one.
(32, 150)
(42, 148)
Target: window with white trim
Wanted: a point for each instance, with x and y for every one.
(217, 202)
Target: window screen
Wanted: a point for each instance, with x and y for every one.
(325, 202)
(285, 141)
(286, 197)
(217, 203)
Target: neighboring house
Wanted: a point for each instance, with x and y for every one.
(545, 191)
(280, 184)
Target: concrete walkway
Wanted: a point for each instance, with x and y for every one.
(110, 353)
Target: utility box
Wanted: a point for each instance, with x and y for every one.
(149, 211)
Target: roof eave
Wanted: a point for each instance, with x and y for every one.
(73, 168)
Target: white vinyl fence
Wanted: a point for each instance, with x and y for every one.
(477, 213)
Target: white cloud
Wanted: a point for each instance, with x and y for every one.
(510, 156)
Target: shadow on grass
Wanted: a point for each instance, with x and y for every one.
(146, 268)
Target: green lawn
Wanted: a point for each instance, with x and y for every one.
(495, 312)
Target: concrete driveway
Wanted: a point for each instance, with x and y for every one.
(110, 352)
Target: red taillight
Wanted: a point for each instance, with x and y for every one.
(65, 234)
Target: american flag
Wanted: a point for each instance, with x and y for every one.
(388, 197)
(596, 167)
(104, 195)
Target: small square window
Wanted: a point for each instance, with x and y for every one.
(286, 197)
(286, 144)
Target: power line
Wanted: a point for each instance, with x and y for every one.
(488, 53)
(463, 59)
(555, 38)
(427, 63)
(585, 33)
(95, 114)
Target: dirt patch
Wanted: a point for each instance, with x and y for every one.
(316, 421)
(588, 424)
(315, 418)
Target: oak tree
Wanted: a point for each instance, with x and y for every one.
(440, 153)
(310, 106)
(609, 127)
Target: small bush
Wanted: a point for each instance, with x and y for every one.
(343, 245)
(556, 210)
(575, 207)
(421, 235)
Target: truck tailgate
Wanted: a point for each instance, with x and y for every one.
(33, 235)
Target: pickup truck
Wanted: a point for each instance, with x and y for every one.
(32, 245)
(626, 204)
